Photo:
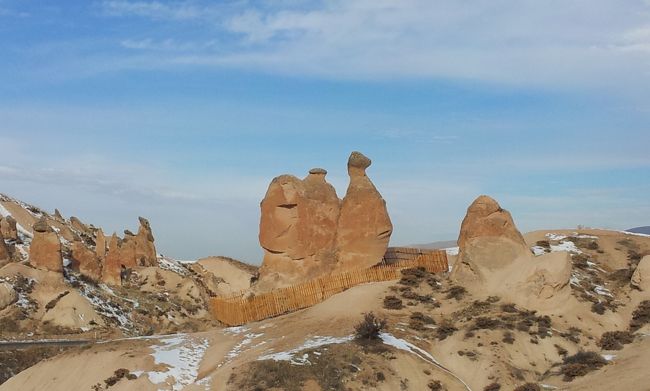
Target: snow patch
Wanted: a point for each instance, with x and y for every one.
(172, 265)
(182, 355)
(311, 343)
(538, 250)
(557, 237)
(609, 357)
(565, 246)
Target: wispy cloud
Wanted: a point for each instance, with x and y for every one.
(503, 41)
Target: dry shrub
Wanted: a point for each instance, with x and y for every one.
(118, 375)
(369, 328)
(393, 303)
(413, 276)
(640, 316)
(435, 385)
(528, 387)
(492, 387)
(580, 364)
(486, 323)
(508, 338)
(445, 329)
(598, 308)
(614, 340)
(456, 292)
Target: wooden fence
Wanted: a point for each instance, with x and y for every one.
(239, 309)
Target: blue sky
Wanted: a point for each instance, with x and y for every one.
(184, 111)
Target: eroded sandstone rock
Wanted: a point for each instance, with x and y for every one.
(45, 249)
(8, 295)
(364, 227)
(8, 228)
(494, 260)
(86, 261)
(5, 256)
(306, 231)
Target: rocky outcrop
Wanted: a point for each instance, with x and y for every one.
(45, 249)
(364, 227)
(494, 260)
(100, 244)
(8, 295)
(641, 275)
(488, 240)
(8, 228)
(78, 225)
(133, 250)
(86, 261)
(306, 231)
(58, 216)
(145, 250)
(298, 229)
(5, 255)
(112, 263)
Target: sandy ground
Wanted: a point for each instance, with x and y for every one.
(236, 278)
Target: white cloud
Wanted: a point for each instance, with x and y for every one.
(527, 42)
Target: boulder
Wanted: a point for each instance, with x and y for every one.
(86, 261)
(641, 275)
(45, 249)
(488, 240)
(364, 227)
(8, 228)
(494, 259)
(8, 295)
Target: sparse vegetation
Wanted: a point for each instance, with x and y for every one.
(580, 364)
(456, 292)
(640, 316)
(393, 303)
(118, 375)
(369, 328)
(445, 329)
(614, 340)
(436, 385)
(413, 276)
(528, 387)
(492, 387)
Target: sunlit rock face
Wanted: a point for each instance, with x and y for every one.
(306, 231)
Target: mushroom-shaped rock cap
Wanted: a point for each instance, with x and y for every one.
(358, 160)
(318, 171)
(41, 225)
(144, 222)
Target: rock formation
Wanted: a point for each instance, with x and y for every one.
(112, 263)
(58, 216)
(100, 244)
(641, 275)
(5, 256)
(132, 251)
(495, 260)
(364, 227)
(78, 225)
(86, 261)
(45, 250)
(306, 231)
(8, 228)
(8, 295)
(488, 240)
(145, 251)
